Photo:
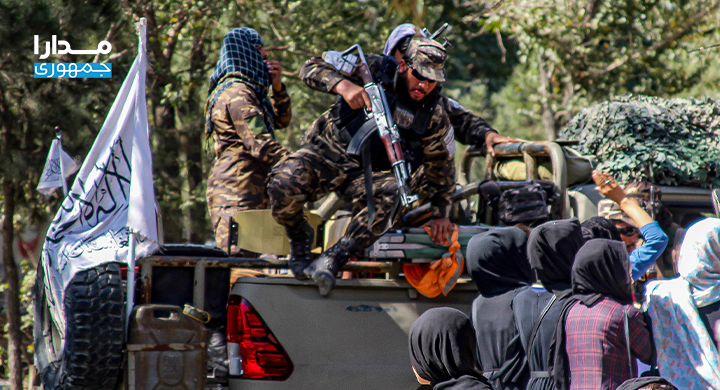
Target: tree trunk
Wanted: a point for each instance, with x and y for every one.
(15, 374)
(548, 114)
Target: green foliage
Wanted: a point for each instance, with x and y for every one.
(580, 52)
(669, 142)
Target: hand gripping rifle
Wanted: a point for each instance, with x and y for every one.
(386, 129)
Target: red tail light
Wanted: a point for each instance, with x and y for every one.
(123, 271)
(253, 350)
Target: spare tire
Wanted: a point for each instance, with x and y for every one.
(95, 315)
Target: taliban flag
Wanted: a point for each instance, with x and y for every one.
(58, 166)
(112, 197)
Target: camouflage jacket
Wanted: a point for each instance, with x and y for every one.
(436, 145)
(469, 128)
(239, 128)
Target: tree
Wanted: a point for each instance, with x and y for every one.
(29, 110)
(578, 52)
(180, 38)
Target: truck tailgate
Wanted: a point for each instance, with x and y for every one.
(356, 338)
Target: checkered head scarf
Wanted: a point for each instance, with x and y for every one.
(241, 61)
(239, 55)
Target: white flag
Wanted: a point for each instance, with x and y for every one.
(111, 197)
(58, 166)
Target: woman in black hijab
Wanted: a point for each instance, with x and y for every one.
(600, 227)
(497, 261)
(442, 351)
(551, 249)
(589, 347)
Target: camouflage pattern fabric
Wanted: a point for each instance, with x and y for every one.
(322, 165)
(469, 128)
(438, 147)
(306, 176)
(427, 57)
(245, 153)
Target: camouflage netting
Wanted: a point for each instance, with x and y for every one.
(639, 138)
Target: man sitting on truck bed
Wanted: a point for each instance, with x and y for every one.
(322, 164)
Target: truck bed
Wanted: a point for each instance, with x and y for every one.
(356, 338)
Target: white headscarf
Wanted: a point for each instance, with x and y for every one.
(699, 261)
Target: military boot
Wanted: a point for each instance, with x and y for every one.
(301, 238)
(325, 268)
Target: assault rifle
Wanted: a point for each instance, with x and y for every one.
(386, 129)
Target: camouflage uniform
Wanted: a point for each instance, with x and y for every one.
(469, 128)
(245, 152)
(322, 164)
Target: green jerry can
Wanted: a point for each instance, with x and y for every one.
(165, 352)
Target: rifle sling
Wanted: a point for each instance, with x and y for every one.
(369, 194)
(362, 135)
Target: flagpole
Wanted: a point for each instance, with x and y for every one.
(130, 282)
(58, 134)
(141, 28)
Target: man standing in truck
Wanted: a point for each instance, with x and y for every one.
(322, 163)
(241, 119)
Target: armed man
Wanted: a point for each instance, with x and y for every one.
(324, 164)
(241, 119)
(469, 129)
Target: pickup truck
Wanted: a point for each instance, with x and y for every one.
(278, 333)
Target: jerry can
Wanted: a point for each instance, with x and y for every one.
(166, 352)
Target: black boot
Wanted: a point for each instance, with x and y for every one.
(301, 239)
(325, 268)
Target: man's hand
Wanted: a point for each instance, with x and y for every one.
(492, 138)
(355, 95)
(275, 73)
(440, 230)
(608, 187)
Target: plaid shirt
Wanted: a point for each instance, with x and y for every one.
(596, 344)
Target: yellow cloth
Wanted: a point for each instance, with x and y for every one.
(440, 276)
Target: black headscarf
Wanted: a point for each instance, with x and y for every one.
(599, 227)
(443, 350)
(601, 269)
(636, 383)
(497, 260)
(551, 249)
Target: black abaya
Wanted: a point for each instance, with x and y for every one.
(497, 261)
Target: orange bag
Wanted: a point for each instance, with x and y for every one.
(440, 276)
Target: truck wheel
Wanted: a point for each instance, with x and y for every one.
(95, 315)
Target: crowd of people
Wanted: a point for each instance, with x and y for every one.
(252, 170)
(556, 309)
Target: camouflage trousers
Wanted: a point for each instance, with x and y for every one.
(305, 176)
(236, 183)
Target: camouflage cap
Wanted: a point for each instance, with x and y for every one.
(609, 209)
(427, 57)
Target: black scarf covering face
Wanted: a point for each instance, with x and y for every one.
(443, 350)
(497, 260)
(601, 269)
(551, 249)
